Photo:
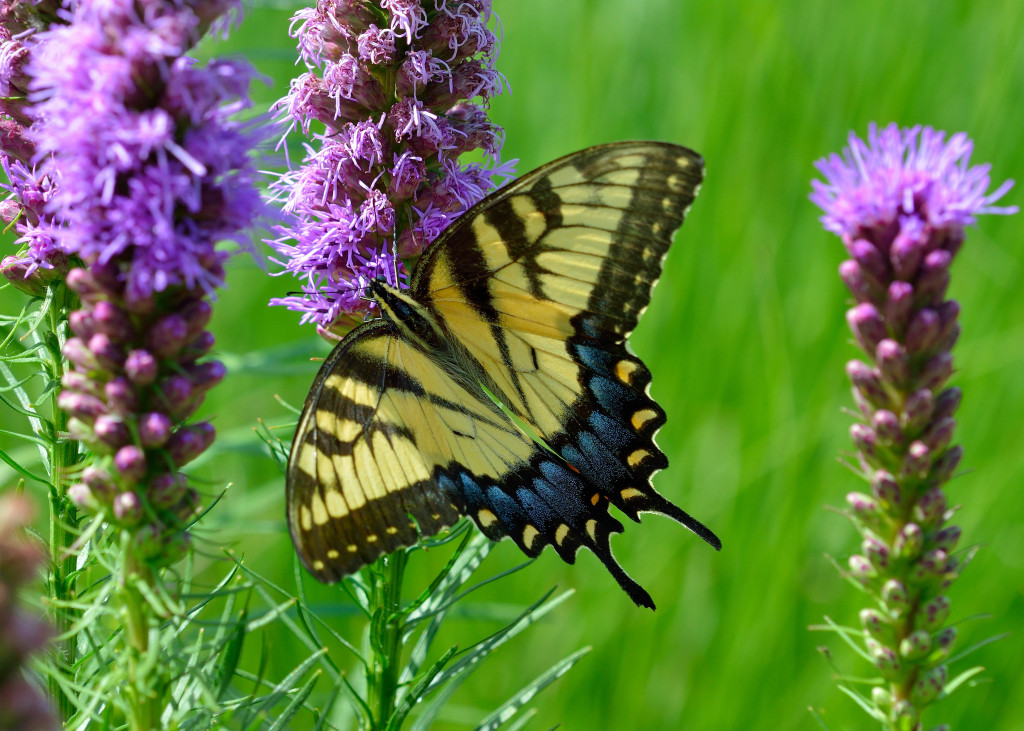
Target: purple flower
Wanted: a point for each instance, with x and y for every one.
(912, 177)
(384, 179)
(151, 179)
(39, 259)
(900, 202)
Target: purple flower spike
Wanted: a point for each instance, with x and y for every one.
(900, 203)
(140, 192)
(394, 82)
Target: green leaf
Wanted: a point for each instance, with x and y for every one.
(22, 471)
(510, 707)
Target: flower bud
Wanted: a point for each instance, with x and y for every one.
(866, 441)
(934, 278)
(121, 396)
(947, 538)
(111, 320)
(167, 489)
(867, 326)
(916, 646)
(200, 345)
(127, 508)
(923, 331)
(948, 313)
(167, 335)
(206, 375)
(887, 426)
(84, 284)
(885, 488)
(876, 552)
(78, 381)
(943, 644)
(108, 354)
(936, 371)
(893, 362)
(928, 686)
(154, 429)
(197, 316)
(861, 287)
(898, 303)
(860, 567)
(76, 351)
(931, 565)
(80, 494)
(130, 461)
(97, 479)
(918, 410)
(931, 506)
(909, 541)
(175, 391)
(863, 506)
(869, 257)
(939, 434)
(81, 324)
(189, 442)
(112, 431)
(876, 625)
(82, 405)
(896, 597)
(917, 461)
(934, 612)
(868, 381)
(885, 659)
(905, 716)
(141, 367)
(905, 254)
(946, 465)
(15, 271)
(881, 697)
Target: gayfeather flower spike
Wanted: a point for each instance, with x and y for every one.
(394, 83)
(900, 202)
(39, 260)
(22, 703)
(151, 179)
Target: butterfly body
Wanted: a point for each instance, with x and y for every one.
(500, 385)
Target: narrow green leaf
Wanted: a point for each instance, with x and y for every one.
(22, 471)
(296, 703)
(510, 707)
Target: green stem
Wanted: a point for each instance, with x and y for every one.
(386, 637)
(143, 686)
(64, 520)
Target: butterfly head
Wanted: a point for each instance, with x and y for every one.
(399, 307)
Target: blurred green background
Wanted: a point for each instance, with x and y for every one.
(747, 341)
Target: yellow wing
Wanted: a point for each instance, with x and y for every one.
(543, 285)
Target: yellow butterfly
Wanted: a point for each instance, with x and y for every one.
(500, 385)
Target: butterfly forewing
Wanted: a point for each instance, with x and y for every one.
(538, 286)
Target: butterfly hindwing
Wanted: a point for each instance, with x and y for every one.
(533, 292)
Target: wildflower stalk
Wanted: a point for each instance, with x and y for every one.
(901, 203)
(386, 576)
(64, 520)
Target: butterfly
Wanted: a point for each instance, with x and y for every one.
(499, 385)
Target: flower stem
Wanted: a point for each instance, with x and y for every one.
(385, 637)
(63, 454)
(143, 690)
